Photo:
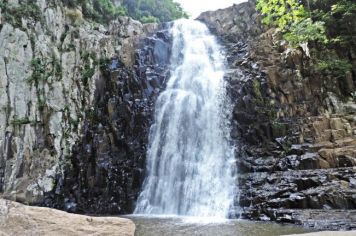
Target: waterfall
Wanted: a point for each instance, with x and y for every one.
(190, 160)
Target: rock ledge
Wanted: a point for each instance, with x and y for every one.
(18, 219)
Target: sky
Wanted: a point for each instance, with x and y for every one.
(195, 7)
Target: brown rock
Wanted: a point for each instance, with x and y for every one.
(329, 233)
(338, 134)
(18, 219)
(336, 123)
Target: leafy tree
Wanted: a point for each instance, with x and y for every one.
(328, 25)
(281, 13)
(306, 31)
(324, 21)
(339, 17)
(154, 10)
(146, 11)
(149, 19)
(293, 20)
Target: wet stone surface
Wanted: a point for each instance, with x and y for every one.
(106, 170)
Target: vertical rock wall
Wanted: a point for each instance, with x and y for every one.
(296, 128)
(106, 169)
(51, 86)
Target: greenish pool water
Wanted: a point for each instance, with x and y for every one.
(173, 226)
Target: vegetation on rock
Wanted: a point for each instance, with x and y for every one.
(102, 11)
(327, 25)
(14, 13)
(325, 21)
(146, 11)
(154, 10)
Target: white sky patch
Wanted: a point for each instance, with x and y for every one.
(195, 7)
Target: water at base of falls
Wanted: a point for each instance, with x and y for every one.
(190, 161)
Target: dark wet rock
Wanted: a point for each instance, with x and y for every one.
(297, 146)
(106, 171)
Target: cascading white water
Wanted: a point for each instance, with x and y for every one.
(190, 161)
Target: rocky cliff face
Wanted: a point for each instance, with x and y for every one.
(76, 100)
(60, 74)
(107, 164)
(295, 127)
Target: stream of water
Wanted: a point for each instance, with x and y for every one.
(191, 175)
(190, 161)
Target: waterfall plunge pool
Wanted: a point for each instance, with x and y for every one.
(190, 159)
(191, 226)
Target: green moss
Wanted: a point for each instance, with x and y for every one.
(21, 121)
(256, 86)
(88, 68)
(14, 14)
(74, 15)
(38, 71)
(57, 67)
(104, 64)
(271, 113)
(42, 71)
(338, 69)
(149, 19)
(102, 11)
(279, 129)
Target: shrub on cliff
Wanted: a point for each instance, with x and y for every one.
(101, 11)
(146, 11)
(13, 13)
(320, 21)
(154, 10)
(329, 26)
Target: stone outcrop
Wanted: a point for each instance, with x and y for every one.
(107, 165)
(76, 100)
(52, 77)
(327, 233)
(295, 127)
(18, 219)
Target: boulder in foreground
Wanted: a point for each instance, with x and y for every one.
(18, 219)
(328, 233)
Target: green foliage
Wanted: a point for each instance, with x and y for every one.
(101, 11)
(20, 121)
(42, 70)
(75, 15)
(88, 68)
(306, 31)
(256, 86)
(328, 25)
(281, 13)
(149, 19)
(38, 71)
(13, 14)
(104, 64)
(322, 21)
(148, 11)
(337, 67)
(339, 17)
